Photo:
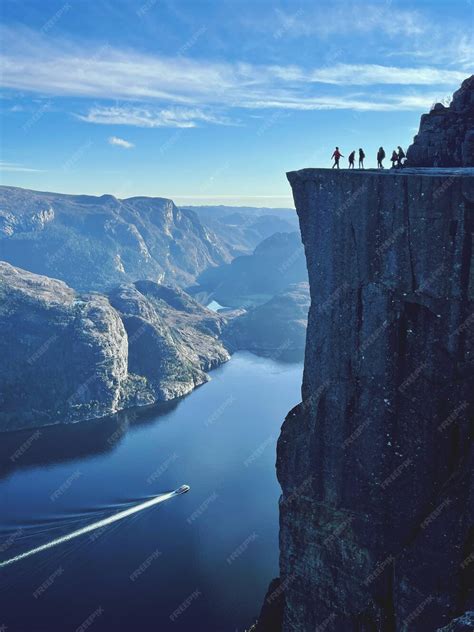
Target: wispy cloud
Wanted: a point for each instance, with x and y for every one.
(349, 18)
(180, 92)
(120, 142)
(360, 103)
(150, 117)
(457, 50)
(373, 74)
(11, 166)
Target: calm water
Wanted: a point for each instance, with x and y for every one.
(206, 556)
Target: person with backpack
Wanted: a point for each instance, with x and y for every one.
(400, 156)
(394, 159)
(337, 156)
(352, 156)
(361, 158)
(380, 157)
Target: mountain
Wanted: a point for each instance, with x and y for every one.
(93, 243)
(446, 134)
(70, 356)
(275, 329)
(241, 229)
(253, 279)
(376, 463)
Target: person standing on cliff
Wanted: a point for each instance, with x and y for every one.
(352, 157)
(361, 158)
(380, 157)
(337, 157)
(394, 159)
(400, 156)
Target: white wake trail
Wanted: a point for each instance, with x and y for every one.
(97, 525)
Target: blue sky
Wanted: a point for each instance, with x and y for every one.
(211, 102)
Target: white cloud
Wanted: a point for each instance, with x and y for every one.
(360, 103)
(11, 166)
(120, 142)
(373, 74)
(158, 91)
(150, 117)
(350, 18)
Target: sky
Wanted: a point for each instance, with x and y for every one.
(212, 102)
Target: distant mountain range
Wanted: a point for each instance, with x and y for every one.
(241, 229)
(250, 280)
(275, 329)
(93, 313)
(97, 242)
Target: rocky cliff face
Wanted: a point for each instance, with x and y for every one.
(69, 357)
(250, 280)
(276, 329)
(94, 243)
(64, 356)
(376, 463)
(446, 135)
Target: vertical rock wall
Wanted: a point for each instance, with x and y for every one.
(446, 135)
(376, 463)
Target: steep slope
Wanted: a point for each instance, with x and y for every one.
(97, 242)
(69, 357)
(64, 356)
(253, 279)
(376, 463)
(446, 135)
(241, 229)
(275, 329)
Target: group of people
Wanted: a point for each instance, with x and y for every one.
(398, 156)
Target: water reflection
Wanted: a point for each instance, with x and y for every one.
(66, 442)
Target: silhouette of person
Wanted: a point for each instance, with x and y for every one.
(337, 157)
(352, 156)
(361, 158)
(394, 159)
(400, 156)
(380, 157)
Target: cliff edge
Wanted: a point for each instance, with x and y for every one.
(376, 463)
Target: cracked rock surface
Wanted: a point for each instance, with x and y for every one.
(446, 134)
(69, 357)
(376, 463)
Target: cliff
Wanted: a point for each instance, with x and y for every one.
(446, 134)
(376, 463)
(94, 243)
(251, 280)
(276, 329)
(68, 357)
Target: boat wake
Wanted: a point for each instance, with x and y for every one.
(99, 524)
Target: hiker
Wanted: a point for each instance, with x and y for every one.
(380, 157)
(361, 158)
(394, 159)
(352, 156)
(337, 156)
(400, 156)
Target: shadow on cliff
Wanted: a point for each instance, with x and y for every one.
(65, 442)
